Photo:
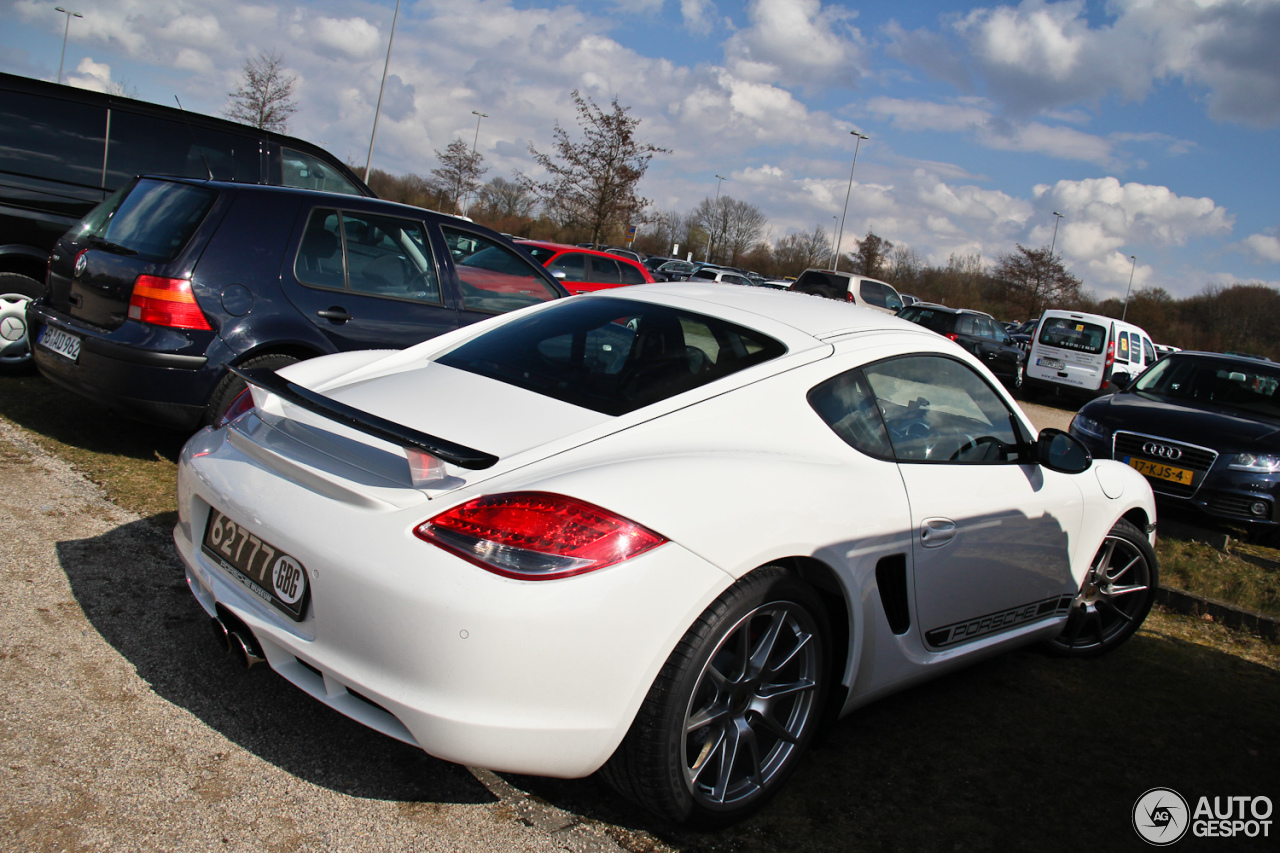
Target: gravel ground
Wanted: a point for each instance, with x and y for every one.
(123, 728)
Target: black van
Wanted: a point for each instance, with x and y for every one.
(63, 150)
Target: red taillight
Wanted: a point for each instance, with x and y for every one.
(952, 336)
(537, 535)
(848, 296)
(241, 404)
(166, 302)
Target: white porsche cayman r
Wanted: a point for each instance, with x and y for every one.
(661, 531)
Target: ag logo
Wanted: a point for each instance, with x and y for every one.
(1161, 816)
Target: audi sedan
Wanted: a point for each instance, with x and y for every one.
(1203, 428)
(531, 544)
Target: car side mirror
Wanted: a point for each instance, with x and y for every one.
(1121, 381)
(1061, 451)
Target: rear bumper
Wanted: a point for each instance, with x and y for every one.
(139, 370)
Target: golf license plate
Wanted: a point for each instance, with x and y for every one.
(1160, 471)
(63, 343)
(265, 570)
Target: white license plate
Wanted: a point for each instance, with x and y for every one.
(1051, 363)
(63, 343)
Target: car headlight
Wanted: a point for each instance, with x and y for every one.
(1089, 427)
(1262, 463)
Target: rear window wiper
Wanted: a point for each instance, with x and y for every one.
(108, 246)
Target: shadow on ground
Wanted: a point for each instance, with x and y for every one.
(131, 586)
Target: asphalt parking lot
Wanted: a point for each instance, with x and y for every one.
(124, 729)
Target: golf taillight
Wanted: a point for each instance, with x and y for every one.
(537, 535)
(166, 302)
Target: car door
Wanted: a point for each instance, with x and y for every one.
(990, 531)
(367, 280)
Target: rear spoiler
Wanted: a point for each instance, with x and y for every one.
(465, 457)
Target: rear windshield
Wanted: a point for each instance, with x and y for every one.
(1073, 334)
(939, 321)
(154, 220)
(818, 278)
(612, 355)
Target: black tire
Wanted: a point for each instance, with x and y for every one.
(16, 290)
(1116, 595)
(231, 385)
(766, 632)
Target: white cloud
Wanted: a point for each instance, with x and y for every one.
(1039, 55)
(1265, 247)
(796, 42)
(975, 116)
(91, 75)
(355, 37)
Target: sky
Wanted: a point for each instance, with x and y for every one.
(1151, 126)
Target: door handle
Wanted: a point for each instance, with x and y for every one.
(936, 532)
(334, 314)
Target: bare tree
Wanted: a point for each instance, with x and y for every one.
(795, 253)
(459, 171)
(502, 198)
(871, 256)
(1034, 280)
(592, 184)
(265, 96)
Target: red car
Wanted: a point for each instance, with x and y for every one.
(584, 270)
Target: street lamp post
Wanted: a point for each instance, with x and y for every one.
(479, 115)
(1132, 267)
(715, 208)
(378, 108)
(840, 236)
(66, 28)
(1054, 241)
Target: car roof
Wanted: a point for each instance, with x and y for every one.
(767, 309)
(340, 200)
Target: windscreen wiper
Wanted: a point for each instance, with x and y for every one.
(108, 246)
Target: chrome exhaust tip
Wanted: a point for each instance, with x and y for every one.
(220, 631)
(246, 650)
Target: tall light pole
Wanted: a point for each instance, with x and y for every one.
(479, 115)
(840, 236)
(378, 108)
(1054, 241)
(66, 28)
(715, 208)
(1132, 267)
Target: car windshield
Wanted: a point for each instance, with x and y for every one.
(1250, 388)
(612, 355)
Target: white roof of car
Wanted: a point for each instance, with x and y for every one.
(766, 309)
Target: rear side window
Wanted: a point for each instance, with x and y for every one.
(631, 274)
(141, 145)
(51, 138)
(1149, 351)
(849, 407)
(494, 278)
(1072, 334)
(153, 220)
(311, 173)
(1122, 347)
(612, 355)
(384, 255)
(873, 293)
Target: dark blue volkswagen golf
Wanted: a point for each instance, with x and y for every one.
(161, 288)
(1204, 428)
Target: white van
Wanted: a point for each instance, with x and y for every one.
(1089, 353)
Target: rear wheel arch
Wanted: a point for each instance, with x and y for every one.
(230, 385)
